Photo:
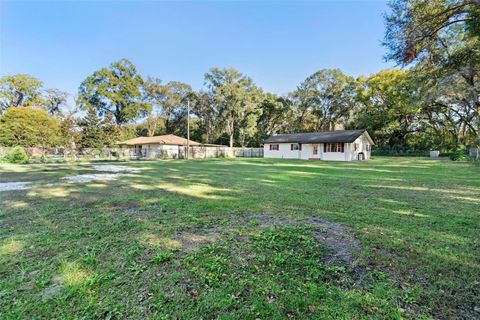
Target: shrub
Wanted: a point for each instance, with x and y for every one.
(459, 156)
(17, 155)
(28, 127)
(400, 152)
(97, 153)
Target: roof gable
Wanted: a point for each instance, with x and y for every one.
(319, 137)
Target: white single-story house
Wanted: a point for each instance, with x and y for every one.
(165, 146)
(340, 145)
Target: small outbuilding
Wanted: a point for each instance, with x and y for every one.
(167, 146)
(339, 145)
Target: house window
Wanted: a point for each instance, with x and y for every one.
(315, 149)
(356, 146)
(368, 147)
(274, 147)
(295, 146)
(334, 147)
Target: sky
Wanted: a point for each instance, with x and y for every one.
(277, 43)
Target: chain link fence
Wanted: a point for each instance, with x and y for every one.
(38, 154)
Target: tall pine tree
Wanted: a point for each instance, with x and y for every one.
(96, 132)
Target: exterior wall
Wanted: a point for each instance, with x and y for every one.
(284, 151)
(161, 151)
(337, 156)
(152, 151)
(362, 148)
(167, 151)
(306, 153)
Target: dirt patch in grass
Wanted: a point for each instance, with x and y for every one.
(115, 172)
(136, 209)
(11, 186)
(131, 205)
(345, 247)
(54, 289)
(93, 177)
(191, 241)
(114, 168)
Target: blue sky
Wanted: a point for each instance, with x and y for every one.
(278, 44)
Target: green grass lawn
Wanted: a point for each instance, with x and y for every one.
(236, 239)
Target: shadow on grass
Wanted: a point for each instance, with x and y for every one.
(424, 215)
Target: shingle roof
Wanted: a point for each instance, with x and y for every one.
(170, 139)
(317, 137)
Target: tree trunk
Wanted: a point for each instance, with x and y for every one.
(231, 127)
(167, 125)
(477, 143)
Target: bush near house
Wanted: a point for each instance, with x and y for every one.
(17, 155)
(461, 155)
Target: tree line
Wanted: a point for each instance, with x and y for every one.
(431, 102)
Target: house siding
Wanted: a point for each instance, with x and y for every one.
(337, 156)
(284, 152)
(152, 151)
(362, 148)
(306, 153)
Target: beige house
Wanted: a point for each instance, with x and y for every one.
(165, 146)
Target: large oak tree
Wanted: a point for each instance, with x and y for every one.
(20, 90)
(324, 100)
(440, 40)
(116, 90)
(237, 98)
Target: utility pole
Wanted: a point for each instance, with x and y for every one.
(188, 127)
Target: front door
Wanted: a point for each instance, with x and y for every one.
(315, 150)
